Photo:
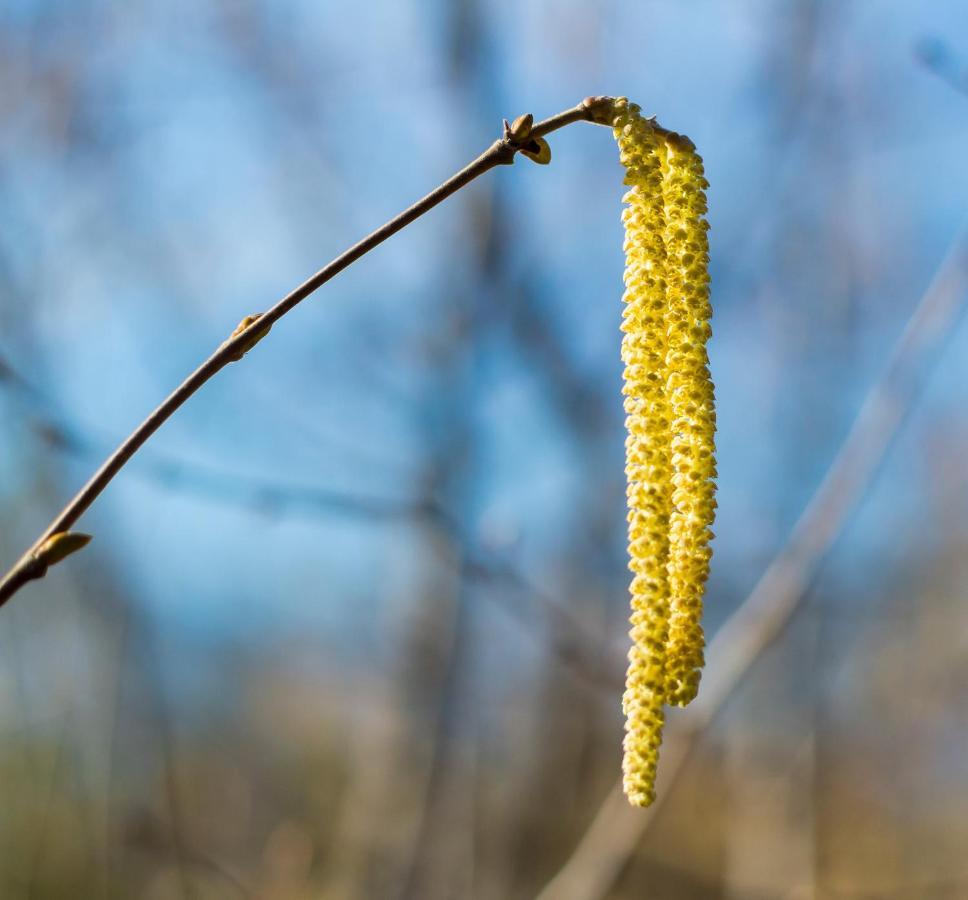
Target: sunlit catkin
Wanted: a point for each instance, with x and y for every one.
(690, 392)
(648, 448)
(670, 420)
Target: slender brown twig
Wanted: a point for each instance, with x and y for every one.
(521, 136)
(283, 499)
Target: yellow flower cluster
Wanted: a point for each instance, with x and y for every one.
(671, 422)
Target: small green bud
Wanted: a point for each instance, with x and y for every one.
(59, 546)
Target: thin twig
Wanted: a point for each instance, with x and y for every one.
(616, 830)
(273, 498)
(501, 152)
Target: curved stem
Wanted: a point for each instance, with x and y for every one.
(501, 152)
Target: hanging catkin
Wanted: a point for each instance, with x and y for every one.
(670, 465)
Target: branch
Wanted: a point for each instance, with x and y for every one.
(520, 136)
(268, 497)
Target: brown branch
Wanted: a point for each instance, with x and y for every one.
(519, 137)
(274, 498)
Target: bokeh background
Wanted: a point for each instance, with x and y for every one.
(353, 624)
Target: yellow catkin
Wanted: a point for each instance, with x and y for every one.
(668, 402)
(690, 392)
(648, 446)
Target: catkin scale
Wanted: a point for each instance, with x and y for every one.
(670, 422)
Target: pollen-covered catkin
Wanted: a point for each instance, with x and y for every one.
(690, 393)
(670, 420)
(648, 448)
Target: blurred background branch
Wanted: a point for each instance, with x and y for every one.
(616, 830)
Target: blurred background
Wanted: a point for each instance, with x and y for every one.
(353, 624)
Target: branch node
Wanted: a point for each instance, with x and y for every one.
(600, 110)
(518, 137)
(257, 335)
(56, 548)
(502, 151)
